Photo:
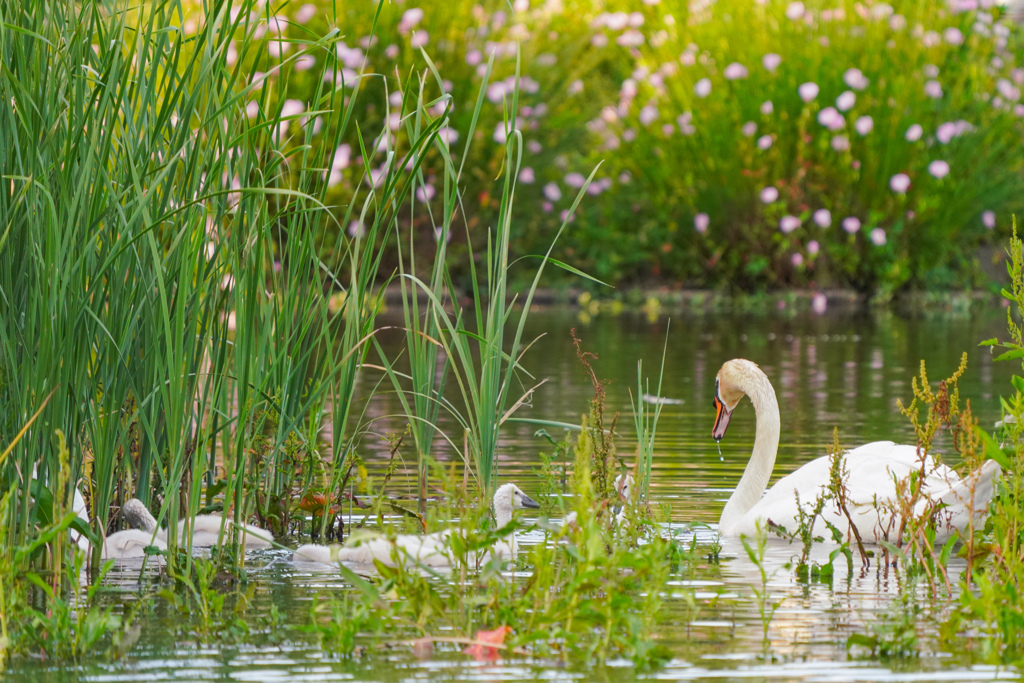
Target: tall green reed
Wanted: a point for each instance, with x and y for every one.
(485, 344)
(165, 275)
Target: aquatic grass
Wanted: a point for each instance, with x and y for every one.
(990, 600)
(164, 291)
(475, 341)
(766, 606)
(646, 421)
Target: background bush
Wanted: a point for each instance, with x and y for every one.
(745, 145)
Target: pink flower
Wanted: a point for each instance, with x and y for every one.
(953, 36)
(988, 219)
(846, 101)
(292, 108)
(1008, 90)
(795, 10)
(526, 175)
(840, 143)
(342, 158)
(419, 39)
(700, 222)
(808, 91)
(735, 71)
(703, 87)
(864, 125)
(933, 89)
(899, 183)
(767, 108)
(630, 38)
(501, 133)
(685, 123)
(788, 224)
(931, 71)
(648, 114)
(914, 133)
(410, 19)
(575, 180)
(764, 142)
(748, 129)
(877, 237)
(552, 192)
(771, 61)
(813, 247)
(797, 259)
(831, 119)
(823, 218)
(769, 194)
(851, 224)
(939, 168)
(954, 129)
(855, 79)
(425, 193)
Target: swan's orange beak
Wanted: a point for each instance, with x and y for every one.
(722, 415)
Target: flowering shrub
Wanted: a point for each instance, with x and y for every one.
(750, 144)
(869, 145)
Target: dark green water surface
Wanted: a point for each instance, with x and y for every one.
(842, 370)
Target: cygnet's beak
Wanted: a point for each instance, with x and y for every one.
(530, 503)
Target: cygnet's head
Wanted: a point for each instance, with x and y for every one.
(137, 515)
(735, 373)
(510, 497)
(624, 484)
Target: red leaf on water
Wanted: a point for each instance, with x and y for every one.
(482, 652)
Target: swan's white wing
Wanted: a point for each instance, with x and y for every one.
(312, 552)
(871, 484)
(430, 550)
(129, 543)
(206, 533)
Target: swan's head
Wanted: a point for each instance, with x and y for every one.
(137, 515)
(510, 497)
(734, 375)
(624, 484)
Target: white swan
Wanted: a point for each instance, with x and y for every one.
(429, 550)
(127, 544)
(206, 532)
(206, 529)
(623, 484)
(872, 471)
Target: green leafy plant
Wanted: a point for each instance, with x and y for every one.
(766, 604)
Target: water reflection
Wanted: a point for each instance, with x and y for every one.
(843, 369)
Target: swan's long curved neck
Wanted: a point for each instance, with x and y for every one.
(766, 445)
(502, 516)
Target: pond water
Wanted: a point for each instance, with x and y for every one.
(843, 369)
